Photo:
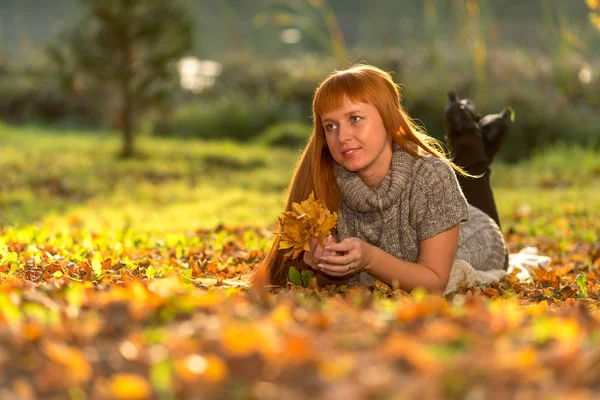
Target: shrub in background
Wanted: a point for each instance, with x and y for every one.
(252, 95)
(31, 94)
(228, 117)
(291, 134)
(547, 110)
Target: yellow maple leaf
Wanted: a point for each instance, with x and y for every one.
(308, 219)
(593, 4)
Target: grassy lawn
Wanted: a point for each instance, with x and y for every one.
(63, 179)
(121, 279)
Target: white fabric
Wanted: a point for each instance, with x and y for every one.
(524, 262)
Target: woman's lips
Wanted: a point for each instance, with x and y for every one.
(349, 153)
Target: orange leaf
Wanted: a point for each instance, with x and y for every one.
(130, 387)
(77, 368)
(240, 339)
(298, 348)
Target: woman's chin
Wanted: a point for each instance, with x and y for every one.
(351, 167)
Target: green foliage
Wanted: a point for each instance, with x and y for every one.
(227, 117)
(33, 98)
(300, 279)
(253, 94)
(294, 276)
(124, 50)
(581, 280)
(307, 275)
(286, 134)
(559, 166)
(248, 97)
(548, 111)
(316, 19)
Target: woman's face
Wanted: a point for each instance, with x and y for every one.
(358, 141)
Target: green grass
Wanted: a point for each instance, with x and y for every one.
(551, 194)
(60, 179)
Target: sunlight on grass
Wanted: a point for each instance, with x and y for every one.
(206, 207)
(64, 179)
(73, 179)
(553, 213)
(560, 166)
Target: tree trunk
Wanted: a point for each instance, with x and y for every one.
(127, 130)
(128, 112)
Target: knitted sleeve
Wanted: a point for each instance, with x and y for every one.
(438, 201)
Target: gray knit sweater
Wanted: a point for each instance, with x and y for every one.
(417, 199)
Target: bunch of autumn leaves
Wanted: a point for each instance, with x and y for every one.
(307, 220)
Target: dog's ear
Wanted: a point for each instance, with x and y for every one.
(508, 114)
(495, 129)
(452, 96)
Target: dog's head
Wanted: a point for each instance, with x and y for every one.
(460, 117)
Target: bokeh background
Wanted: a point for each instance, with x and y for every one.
(174, 115)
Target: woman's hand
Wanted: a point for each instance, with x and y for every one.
(313, 257)
(354, 256)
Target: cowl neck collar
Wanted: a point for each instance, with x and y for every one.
(357, 196)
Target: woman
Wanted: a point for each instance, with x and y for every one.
(402, 215)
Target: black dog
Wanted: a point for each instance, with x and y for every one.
(461, 119)
(473, 142)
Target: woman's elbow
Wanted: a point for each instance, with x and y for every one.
(438, 283)
(440, 287)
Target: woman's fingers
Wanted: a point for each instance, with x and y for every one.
(329, 254)
(319, 250)
(316, 251)
(307, 258)
(344, 245)
(335, 270)
(334, 259)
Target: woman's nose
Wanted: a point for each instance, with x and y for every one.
(344, 134)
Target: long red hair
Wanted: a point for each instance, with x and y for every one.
(314, 172)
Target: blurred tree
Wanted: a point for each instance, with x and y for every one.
(125, 52)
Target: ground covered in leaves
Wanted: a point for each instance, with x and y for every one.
(99, 301)
(134, 316)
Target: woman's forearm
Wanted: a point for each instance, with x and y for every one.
(406, 275)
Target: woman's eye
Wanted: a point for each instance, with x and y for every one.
(355, 118)
(329, 127)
